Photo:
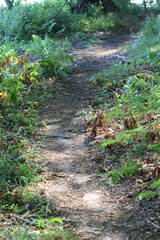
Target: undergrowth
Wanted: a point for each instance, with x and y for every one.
(49, 229)
(130, 98)
(26, 80)
(31, 59)
(45, 18)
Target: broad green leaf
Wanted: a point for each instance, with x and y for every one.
(53, 220)
(155, 184)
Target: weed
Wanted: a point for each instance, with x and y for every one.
(129, 168)
(25, 20)
(15, 72)
(48, 229)
(18, 112)
(139, 149)
(52, 58)
(131, 91)
(151, 194)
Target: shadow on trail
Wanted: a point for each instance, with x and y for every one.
(62, 111)
(92, 211)
(108, 220)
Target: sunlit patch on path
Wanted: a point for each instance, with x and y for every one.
(71, 185)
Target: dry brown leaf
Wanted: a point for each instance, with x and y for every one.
(154, 136)
(23, 59)
(130, 123)
(97, 124)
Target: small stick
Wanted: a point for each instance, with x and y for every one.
(21, 219)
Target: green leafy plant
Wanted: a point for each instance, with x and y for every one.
(129, 168)
(45, 18)
(155, 187)
(15, 72)
(139, 96)
(36, 231)
(24, 20)
(129, 92)
(52, 57)
(14, 168)
(18, 95)
(48, 222)
(126, 137)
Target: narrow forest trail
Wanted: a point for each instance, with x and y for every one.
(71, 185)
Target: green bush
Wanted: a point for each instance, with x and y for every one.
(38, 18)
(18, 117)
(145, 49)
(139, 93)
(105, 23)
(15, 72)
(52, 18)
(131, 91)
(53, 58)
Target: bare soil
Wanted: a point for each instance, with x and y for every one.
(93, 210)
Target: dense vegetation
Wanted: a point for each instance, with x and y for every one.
(130, 96)
(34, 54)
(46, 19)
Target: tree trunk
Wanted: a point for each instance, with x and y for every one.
(9, 4)
(108, 5)
(145, 6)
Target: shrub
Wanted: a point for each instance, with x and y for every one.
(54, 18)
(131, 90)
(38, 18)
(53, 58)
(129, 168)
(155, 187)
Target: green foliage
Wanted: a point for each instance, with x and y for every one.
(129, 168)
(15, 2)
(155, 147)
(139, 149)
(142, 93)
(18, 102)
(139, 94)
(52, 231)
(126, 137)
(17, 168)
(130, 92)
(151, 28)
(38, 18)
(151, 194)
(15, 71)
(21, 199)
(44, 224)
(95, 21)
(17, 78)
(85, 25)
(52, 57)
(45, 18)
(129, 11)
(146, 46)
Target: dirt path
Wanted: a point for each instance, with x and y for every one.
(93, 212)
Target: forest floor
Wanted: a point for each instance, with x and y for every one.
(90, 208)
